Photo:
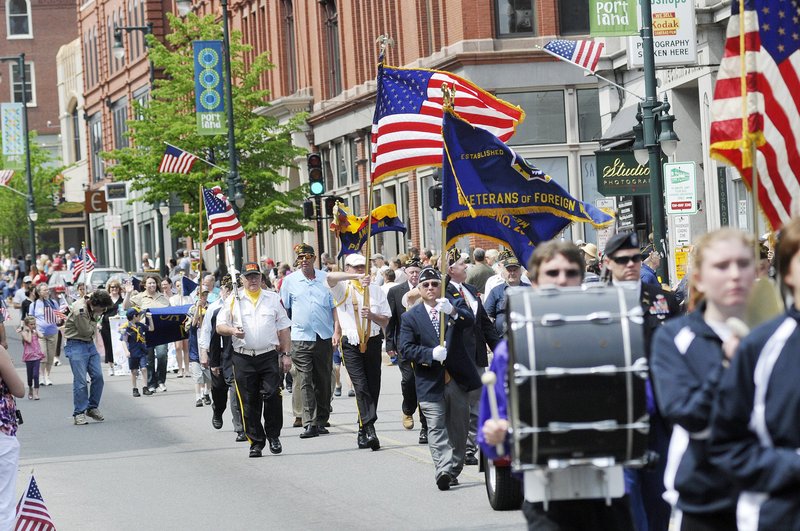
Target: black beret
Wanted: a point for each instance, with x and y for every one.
(623, 240)
(429, 273)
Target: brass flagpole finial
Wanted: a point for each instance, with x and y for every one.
(448, 96)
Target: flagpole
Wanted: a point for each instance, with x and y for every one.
(442, 262)
(198, 158)
(366, 325)
(598, 76)
(448, 97)
(200, 227)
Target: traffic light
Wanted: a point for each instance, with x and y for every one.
(316, 177)
(330, 204)
(435, 196)
(308, 209)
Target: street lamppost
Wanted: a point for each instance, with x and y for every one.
(32, 215)
(118, 49)
(235, 187)
(161, 212)
(654, 134)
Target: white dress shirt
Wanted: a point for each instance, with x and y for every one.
(343, 294)
(261, 322)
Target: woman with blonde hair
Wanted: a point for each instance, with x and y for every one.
(754, 434)
(115, 291)
(689, 356)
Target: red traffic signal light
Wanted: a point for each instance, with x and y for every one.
(316, 177)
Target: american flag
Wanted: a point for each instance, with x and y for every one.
(78, 263)
(32, 513)
(5, 176)
(769, 115)
(54, 316)
(176, 161)
(407, 126)
(585, 54)
(223, 225)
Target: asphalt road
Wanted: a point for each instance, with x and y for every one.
(156, 463)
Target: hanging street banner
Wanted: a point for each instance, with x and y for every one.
(13, 136)
(613, 18)
(208, 88)
(674, 36)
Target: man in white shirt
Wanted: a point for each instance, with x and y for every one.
(362, 335)
(261, 342)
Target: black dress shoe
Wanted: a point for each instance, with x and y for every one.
(311, 431)
(453, 482)
(423, 436)
(443, 481)
(255, 451)
(216, 421)
(372, 438)
(362, 439)
(470, 459)
(322, 430)
(275, 446)
(241, 437)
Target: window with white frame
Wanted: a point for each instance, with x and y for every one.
(18, 19)
(96, 139)
(74, 132)
(515, 18)
(119, 116)
(16, 83)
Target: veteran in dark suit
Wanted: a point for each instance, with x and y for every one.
(444, 374)
(476, 338)
(396, 298)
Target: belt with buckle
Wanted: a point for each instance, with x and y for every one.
(252, 353)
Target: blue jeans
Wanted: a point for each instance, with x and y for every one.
(157, 365)
(83, 359)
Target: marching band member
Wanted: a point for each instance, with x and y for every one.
(561, 264)
(364, 368)
(444, 374)
(754, 435)
(688, 357)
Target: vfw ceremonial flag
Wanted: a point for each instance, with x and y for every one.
(585, 54)
(352, 230)
(756, 102)
(406, 127)
(176, 161)
(223, 225)
(511, 198)
(32, 513)
(167, 325)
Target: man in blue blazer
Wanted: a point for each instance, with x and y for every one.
(444, 374)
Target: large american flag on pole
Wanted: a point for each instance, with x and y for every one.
(176, 161)
(407, 126)
(585, 54)
(32, 513)
(223, 225)
(762, 63)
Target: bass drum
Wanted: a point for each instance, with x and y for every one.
(578, 372)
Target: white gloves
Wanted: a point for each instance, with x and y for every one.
(444, 305)
(440, 353)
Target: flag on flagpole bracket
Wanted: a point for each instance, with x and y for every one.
(176, 160)
(585, 54)
(223, 225)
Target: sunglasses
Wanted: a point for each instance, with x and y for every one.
(431, 284)
(623, 260)
(305, 256)
(569, 273)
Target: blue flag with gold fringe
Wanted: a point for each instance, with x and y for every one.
(484, 177)
(352, 230)
(167, 325)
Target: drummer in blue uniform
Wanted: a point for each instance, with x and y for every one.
(561, 264)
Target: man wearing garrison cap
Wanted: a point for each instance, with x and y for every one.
(444, 373)
(315, 333)
(623, 259)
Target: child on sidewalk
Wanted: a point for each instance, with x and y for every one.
(200, 374)
(137, 349)
(31, 354)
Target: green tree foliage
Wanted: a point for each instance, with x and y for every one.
(14, 213)
(264, 145)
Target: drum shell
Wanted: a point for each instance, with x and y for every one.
(539, 401)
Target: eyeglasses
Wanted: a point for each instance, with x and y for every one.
(569, 273)
(431, 284)
(623, 260)
(301, 257)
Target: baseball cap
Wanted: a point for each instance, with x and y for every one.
(133, 312)
(377, 256)
(251, 268)
(355, 260)
(27, 279)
